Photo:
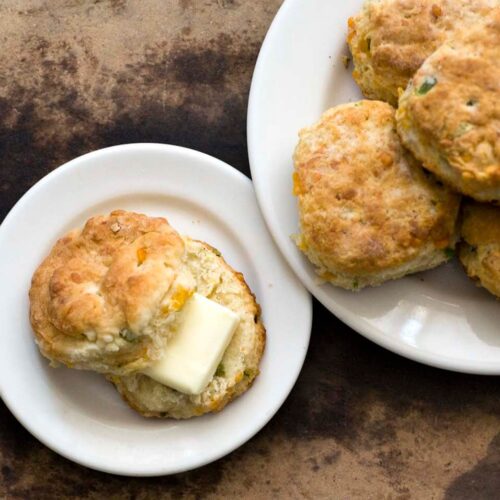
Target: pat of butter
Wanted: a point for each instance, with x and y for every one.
(194, 353)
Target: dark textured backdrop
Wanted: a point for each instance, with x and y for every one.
(77, 75)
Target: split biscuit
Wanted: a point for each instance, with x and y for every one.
(217, 281)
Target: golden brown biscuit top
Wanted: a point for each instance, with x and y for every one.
(102, 285)
(365, 204)
(396, 36)
(481, 224)
(455, 101)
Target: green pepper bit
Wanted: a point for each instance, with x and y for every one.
(220, 372)
(449, 252)
(128, 335)
(429, 82)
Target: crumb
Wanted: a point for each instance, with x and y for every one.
(345, 61)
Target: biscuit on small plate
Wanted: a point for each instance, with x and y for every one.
(449, 116)
(479, 250)
(79, 413)
(216, 280)
(390, 39)
(103, 298)
(368, 212)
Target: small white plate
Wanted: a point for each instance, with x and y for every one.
(439, 317)
(80, 415)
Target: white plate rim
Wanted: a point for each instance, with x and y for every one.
(318, 291)
(225, 169)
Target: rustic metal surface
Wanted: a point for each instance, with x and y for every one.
(76, 75)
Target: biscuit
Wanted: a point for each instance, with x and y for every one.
(479, 250)
(216, 280)
(103, 298)
(368, 212)
(449, 116)
(390, 39)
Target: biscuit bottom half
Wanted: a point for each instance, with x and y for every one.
(217, 281)
(427, 258)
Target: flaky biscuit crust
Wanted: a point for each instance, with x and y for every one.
(368, 211)
(390, 39)
(94, 296)
(480, 249)
(240, 364)
(450, 115)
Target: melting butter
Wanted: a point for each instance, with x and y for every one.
(193, 354)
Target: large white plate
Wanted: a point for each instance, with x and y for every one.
(79, 414)
(438, 317)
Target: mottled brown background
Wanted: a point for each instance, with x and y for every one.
(76, 75)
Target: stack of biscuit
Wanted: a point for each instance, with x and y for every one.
(109, 298)
(380, 189)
